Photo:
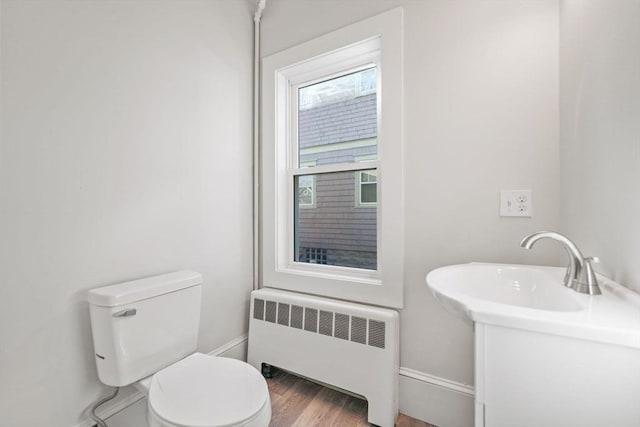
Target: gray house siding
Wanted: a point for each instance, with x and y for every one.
(345, 232)
(341, 121)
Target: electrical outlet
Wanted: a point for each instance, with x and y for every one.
(516, 203)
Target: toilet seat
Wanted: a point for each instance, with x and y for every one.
(207, 391)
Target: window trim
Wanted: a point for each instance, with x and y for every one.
(357, 45)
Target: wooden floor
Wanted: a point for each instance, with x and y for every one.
(301, 403)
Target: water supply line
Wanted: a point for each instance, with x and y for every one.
(99, 421)
(261, 4)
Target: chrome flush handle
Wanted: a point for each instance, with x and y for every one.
(127, 312)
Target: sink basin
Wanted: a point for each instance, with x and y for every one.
(461, 287)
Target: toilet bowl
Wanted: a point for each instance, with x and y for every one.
(145, 332)
(207, 391)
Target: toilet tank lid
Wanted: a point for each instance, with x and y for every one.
(136, 290)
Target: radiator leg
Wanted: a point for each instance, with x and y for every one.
(382, 409)
(267, 370)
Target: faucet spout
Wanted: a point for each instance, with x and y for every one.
(575, 256)
(579, 276)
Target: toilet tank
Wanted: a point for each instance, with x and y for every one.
(142, 326)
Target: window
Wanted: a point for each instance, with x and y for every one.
(314, 255)
(367, 188)
(306, 191)
(332, 164)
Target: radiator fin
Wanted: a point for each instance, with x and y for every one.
(258, 309)
(283, 314)
(342, 326)
(310, 319)
(358, 330)
(376, 333)
(270, 312)
(326, 323)
(296, 316)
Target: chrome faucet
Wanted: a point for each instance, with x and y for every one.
(580, 275)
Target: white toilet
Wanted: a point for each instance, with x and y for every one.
(146, 332)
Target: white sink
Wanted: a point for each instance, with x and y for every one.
(459, 286)
(533, 298)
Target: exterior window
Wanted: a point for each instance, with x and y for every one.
(314, 255)
(367, 188)
(306, 191)
(332, 153)
(337, 124)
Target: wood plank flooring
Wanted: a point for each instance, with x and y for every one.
(297, 402)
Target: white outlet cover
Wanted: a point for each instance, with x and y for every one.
(516, 203)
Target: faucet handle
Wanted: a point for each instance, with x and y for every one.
(589, 280)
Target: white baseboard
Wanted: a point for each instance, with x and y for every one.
(236, 348)
(436, 400)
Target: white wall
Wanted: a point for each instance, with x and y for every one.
(600, 122)
(481, 115)
(126, 147)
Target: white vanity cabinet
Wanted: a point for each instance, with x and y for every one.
(533, 379)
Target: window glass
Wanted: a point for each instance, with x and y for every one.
(347, 235)
(337, 119)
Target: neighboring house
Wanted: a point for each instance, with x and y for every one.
(337, 211)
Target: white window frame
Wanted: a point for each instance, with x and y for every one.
(377, 40)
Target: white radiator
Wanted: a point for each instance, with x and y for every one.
(354, 347)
